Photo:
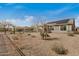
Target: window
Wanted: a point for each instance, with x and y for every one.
(63, 27)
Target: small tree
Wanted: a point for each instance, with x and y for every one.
(5, 29)
(41, 21)
(6, 26)
(14, 29)
(44, 31)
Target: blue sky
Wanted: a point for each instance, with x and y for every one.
(23, 14)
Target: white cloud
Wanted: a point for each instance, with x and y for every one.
(27, 21)
(12, 21)
(19, 22)
(8, 21)
(29, 18)
(77, 21)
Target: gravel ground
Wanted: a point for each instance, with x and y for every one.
(34, 45)
(6, 48)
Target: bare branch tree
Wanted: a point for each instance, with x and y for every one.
(7, 25)
(41, 21)
(38, 21)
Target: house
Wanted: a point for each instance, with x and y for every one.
(62, 25)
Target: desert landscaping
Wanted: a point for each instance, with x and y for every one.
(39, 29)
(62, 38)
(59, 43)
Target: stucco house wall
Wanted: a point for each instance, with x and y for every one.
(69, 25)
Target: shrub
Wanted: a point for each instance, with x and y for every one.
(11, 33)
(55, 38)
(76, 32)
(15, 38)
(44, 35)
(28, 34)
(26, 47)
(49, 38)
(33, 36)
(71, 34)
(60, 50)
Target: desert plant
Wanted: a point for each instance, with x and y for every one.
(44, 35)
(4, 29)
(60, 50)
(71, 34)
(33, 36)
(26, 47)
(15, 38)
(50, 38)
(76, 32)
(14, 29)
(29, 34)
(11, 33)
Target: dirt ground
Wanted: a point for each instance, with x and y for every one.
(6, 48)
(33, 45)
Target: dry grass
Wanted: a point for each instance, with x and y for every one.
(60, 50)
(11, 32)
(29, 34)
(15, 38)
(33, 36)
(37, 46)
(50, 38)
(71, 34)
(76, 32)
(26, 47)
(43, 34)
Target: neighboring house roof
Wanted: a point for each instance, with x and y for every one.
(60, 21)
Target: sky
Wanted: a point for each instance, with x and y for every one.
(23, 14)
